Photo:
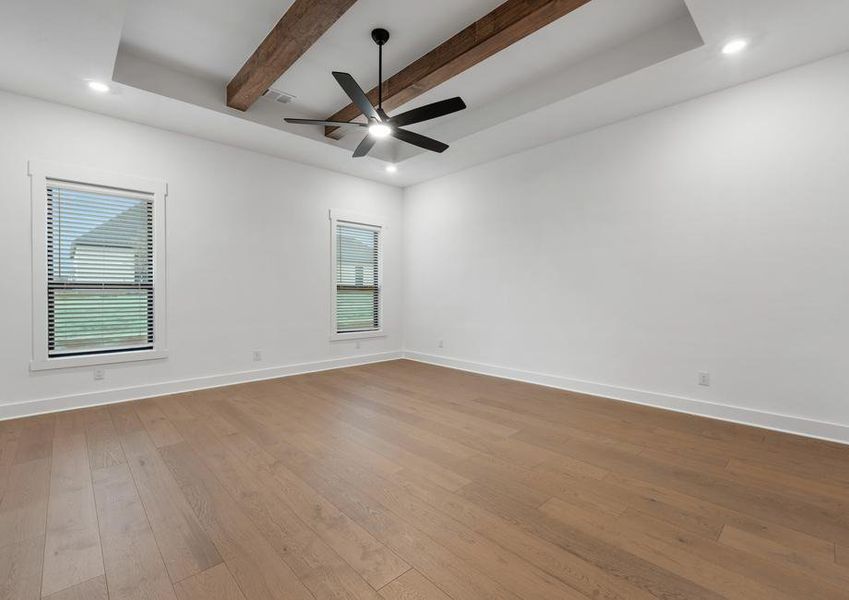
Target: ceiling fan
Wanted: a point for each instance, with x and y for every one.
(381, 125)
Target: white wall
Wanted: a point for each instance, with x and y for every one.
(710, 236)
(248, 261)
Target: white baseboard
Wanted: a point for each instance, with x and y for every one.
(88, 399)
(778, 422)
(774, 421)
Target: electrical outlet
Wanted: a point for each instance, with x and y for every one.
(99, 374)
(704, 379)
(357, 345)
(440, 344)
(257, 355)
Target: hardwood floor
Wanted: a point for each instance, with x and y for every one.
(404, 481)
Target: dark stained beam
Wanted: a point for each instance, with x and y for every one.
(297, 30)
(504, 26)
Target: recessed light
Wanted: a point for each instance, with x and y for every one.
(735, 46)
(98, 86)
(379, 130)
(391, 169)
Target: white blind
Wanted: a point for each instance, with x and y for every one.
(357, 278)
(99, 270)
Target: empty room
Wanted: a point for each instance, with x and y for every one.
(404, 300)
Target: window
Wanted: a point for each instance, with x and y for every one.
(97, 268)
(357, 290)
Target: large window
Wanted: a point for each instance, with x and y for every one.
(357, 298)
(97, 270)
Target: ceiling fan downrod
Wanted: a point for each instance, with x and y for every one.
(380, 37)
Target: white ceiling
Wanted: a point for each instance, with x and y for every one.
(167, 34)
(609, 60)
(415, 28)
(208, 38)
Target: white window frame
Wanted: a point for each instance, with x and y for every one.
(368, 221)
(42, 171)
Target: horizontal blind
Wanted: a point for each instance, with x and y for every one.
(357, 278)
(99, 270)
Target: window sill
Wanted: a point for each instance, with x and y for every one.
(356, 335)
(96, 360)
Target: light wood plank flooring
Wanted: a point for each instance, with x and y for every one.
(404, 481)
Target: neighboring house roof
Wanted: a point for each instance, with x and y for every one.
(354, 250)
(114, 232)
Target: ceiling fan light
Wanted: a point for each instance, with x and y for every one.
(379, 130)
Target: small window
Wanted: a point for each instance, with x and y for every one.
(96, 259)
(357, 297)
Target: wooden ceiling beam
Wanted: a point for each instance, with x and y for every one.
(504, 26)
(297, 30)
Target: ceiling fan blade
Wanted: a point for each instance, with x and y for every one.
(356, 94)
(417, 139)
(326, 123)
(365, 146)
(428, 111)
